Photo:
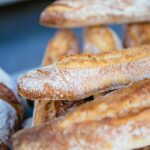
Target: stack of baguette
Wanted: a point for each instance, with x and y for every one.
(96, 100)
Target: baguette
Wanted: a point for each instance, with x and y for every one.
(100, 39)
(129, 132)
(63, 43)
(137, 34)
(91, 123)
(77, 13)
(80, 76)
(130, 100)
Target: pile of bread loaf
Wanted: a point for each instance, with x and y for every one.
(99, 100)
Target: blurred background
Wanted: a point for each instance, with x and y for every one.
(22, 39)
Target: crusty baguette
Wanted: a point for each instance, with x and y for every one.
(100, 39)
(80, 76)
(130, 132)
(130, 100)
(63, 43)
(137, 34)
(91, 123)
(9, 123)
(43, 111)
(77, 13)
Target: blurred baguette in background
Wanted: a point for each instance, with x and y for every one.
(77, 13)
(99, 39)
(64, 43)
(137, 34)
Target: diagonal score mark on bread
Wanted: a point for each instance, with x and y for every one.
(87, 74)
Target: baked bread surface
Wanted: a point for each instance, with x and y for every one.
(119, 120)
(79, 76)
(77, 13)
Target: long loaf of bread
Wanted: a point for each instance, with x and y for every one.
(130, 132)
(137, 34)
(63, 43)
(99, 124)
(77, 13)
(80, 76)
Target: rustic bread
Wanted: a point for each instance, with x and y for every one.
(99, 124)
(63, 43)
(100, 39)
(77, 13)
(80, 76)
(130, 100)
(137, 34)
(129, 132)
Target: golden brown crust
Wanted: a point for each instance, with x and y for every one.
(130, 132)
(130, 100)
(44, 111)
(63, 43)
(100, 39)
(137, 34)
(77, 13)
(118, 119)
(79, 76)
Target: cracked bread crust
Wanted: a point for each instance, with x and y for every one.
(80, 76)
(77, 13)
